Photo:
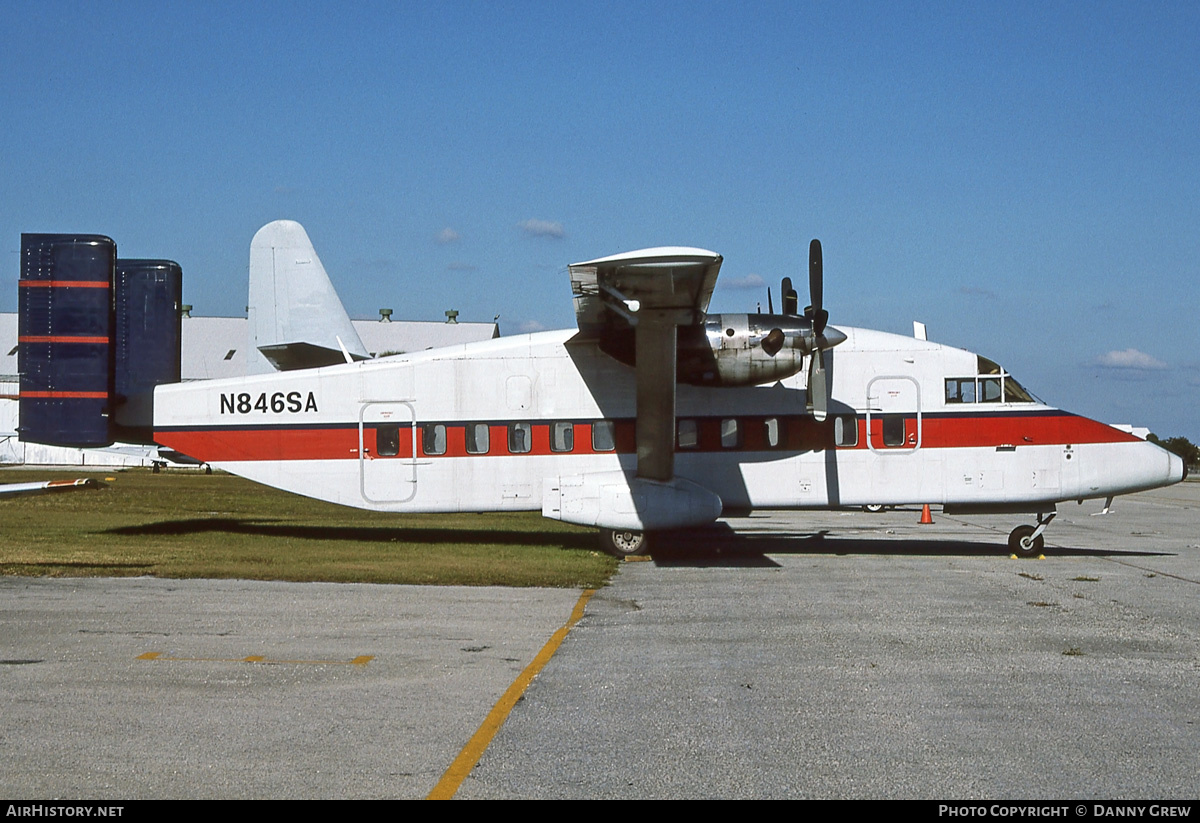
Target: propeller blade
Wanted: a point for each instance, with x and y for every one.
(816, 289)
(818, 391)
(788, 295)
(815, 274)
(773, 342)
(770, 308)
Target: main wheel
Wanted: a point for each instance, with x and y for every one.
(624, 542)
(1023, 544)
(873, 508)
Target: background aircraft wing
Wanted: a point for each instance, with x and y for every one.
(643, 297)
(45, 486)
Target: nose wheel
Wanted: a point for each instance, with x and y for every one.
(1027, 541)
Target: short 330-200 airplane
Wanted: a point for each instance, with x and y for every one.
(652, 416)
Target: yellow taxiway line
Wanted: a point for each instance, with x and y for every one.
(470, 754)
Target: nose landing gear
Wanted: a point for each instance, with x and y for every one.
(1027, 541)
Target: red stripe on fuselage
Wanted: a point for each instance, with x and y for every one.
(334, 443)
(954, 431)
(217, 445)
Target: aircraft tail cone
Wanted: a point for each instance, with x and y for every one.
(926, 517)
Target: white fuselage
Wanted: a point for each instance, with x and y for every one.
(485, 426)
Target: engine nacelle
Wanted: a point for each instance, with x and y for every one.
(737, 349)
(619, 501)
(743, 349)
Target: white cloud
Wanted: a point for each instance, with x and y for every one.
(1129, 359)
(749, 281)
(448, 235)
(542, 228)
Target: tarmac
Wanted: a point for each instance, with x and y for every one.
(799, 655)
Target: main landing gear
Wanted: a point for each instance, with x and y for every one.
(1027, 541)
(623, 542)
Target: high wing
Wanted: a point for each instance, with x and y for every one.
(648, 294)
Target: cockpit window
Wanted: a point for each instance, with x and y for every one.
(988, 366)
(960, 389)
(992, 384)
(1014, 392)
(989, 390)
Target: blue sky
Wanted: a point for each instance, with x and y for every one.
(1022, 177)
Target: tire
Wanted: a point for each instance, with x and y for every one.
(1020, 544)
(873, 508)
(624, 542)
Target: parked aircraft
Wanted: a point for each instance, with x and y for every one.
(652, 415)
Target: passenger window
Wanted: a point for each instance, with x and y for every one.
(960, 390)
(845, 430)
(433, 439)
(604, 436)
(562, 437)
(520, 438)
(689, 434)
(478, 438)
(893, 430)
(730, 434)
(387, 441)
(773, 432)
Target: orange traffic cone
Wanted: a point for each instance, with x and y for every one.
(926, 517)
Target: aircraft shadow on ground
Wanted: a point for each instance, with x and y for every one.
(721, 546)
(361, 534)
(718, 545)
(39, 567)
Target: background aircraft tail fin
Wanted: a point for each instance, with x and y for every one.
(296, 318)
(96, 335)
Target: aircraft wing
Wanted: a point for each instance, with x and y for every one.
(673, 278)
(45, 486)
(646, 295)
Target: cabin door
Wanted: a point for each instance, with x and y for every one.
(894, 438)
(387, 448)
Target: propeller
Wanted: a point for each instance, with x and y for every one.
(788, 294)
(815, 341)
(817, 315)
(818, 390)
(773, 342)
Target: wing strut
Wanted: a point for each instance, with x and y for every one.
(655, 337)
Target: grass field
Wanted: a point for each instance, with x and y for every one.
(188, 524)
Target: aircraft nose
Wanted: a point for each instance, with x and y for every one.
(1176, 468)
